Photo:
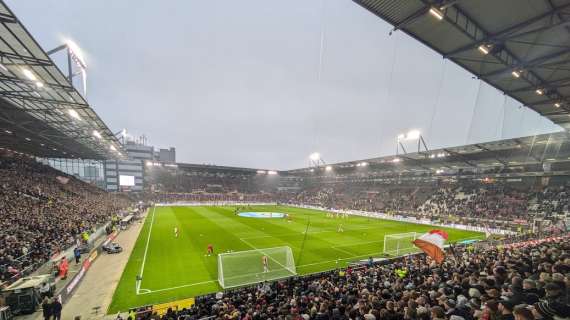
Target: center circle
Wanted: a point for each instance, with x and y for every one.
(262, 215)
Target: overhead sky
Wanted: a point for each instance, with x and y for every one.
(263, 84)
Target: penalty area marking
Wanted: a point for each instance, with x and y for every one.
(147, 291)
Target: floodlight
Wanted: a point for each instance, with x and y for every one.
(484, 49)
(8, 131)
(271, 172)
(413, 135)
(28, 139)
(96, 134)
(30, 75)
(261, 171)
(396, 160)
(363, 164)
(436, 13)
(112, 147)
(76, 53)
(557, 104)
(539, 91)
(315, 156)
(328, 168)
(74, 114)
(516, 73)
(39, 84)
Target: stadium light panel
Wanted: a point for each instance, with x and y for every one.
(539, 91)
(557, 104)
(516, 73)
(315, 156)
(39, 84)
(363, 164)
(112, 147)
(396, 160)
(8, 131)
(483, 49)
(96, 134)
(271, 172)
(74, 114)
(28, 139)
(76, 52)
(29, 74)
(328, 168)
(261, 171)
(436, 13)
(413, 135)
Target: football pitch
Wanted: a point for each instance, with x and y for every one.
(174, 268)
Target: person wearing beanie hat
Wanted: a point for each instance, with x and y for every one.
(474, 293)
(506, 310)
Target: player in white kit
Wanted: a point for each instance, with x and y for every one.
(265, 264)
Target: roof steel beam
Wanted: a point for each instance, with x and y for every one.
(506, 33)
(528, 64)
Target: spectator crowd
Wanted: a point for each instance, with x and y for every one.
(43, 211)
(527, 280)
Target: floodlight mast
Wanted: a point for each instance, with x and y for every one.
(412, 135)
(315, 160)
(74, 57)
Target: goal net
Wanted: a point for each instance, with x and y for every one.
(399, 243)
(247, 267)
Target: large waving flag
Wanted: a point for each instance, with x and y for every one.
(432, 244)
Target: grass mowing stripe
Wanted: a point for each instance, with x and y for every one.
(176, 268)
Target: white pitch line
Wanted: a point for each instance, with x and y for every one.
(342, 250)
(146, 249)
(178, 287)
(261, 250)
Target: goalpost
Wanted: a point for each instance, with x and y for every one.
(399, 243)
(246, 267)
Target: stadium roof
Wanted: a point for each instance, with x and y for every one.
(225, 169)
(532, 150)
(41, 113)
(522, 48)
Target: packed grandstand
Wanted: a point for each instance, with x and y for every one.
(507, 201)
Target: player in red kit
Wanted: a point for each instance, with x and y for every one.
(210, 249)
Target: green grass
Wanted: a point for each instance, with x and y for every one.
(177, 268)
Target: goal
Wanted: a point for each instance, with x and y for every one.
(246, 267)
(399, 243)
